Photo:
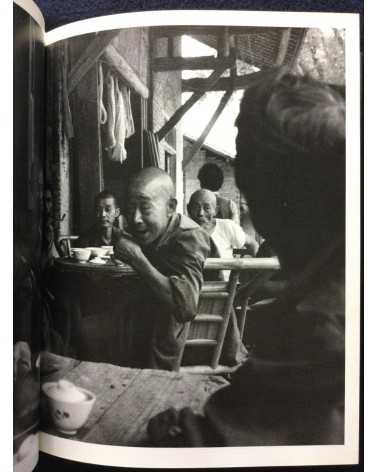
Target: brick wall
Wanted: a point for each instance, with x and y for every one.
(191, 182)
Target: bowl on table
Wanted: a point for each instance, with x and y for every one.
(81, 254)
(97, 251)
(109, 250)
(68, 404)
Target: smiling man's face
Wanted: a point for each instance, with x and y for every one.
(202, 208)
(148, 211)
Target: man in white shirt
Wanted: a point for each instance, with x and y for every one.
(226, 234)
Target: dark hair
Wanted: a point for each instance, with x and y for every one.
(106, 194)
(211, 177)
(291, 158)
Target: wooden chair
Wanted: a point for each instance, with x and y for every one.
(215, 306)
(64, 244)
(210, 325)
(260, 270)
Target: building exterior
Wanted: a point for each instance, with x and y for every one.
(205, 155)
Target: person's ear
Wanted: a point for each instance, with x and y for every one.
(172, 205)
(117, 212)
(216, 208)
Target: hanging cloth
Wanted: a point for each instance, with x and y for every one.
(115, 114)
(110, 110)
(119, 153)
(103, 113)
(130, 128)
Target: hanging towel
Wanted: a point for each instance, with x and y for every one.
(110, 106)
(119, 153)
(103, 113)
(115, 114)
(130, 128)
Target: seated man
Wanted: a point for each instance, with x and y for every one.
(104, 232)
(211, 178)
(225, 234)
(168, 251)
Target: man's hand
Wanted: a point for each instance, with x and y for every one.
(176, 428)
(127, 250)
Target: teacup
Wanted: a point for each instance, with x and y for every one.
(109, 250)
(97, 251)
(69, 405)
(81, 254)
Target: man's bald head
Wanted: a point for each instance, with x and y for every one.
(154, 179)
(150, 204)
(202, 208)
(203, 195)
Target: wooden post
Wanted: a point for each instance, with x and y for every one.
(89, 56)
(87, 157)
(209, 82)
(224, 43)
(197, 145)
(113, 59)
(284, 44)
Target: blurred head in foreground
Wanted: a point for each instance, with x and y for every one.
(290, 163)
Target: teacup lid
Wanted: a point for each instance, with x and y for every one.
(66, 391)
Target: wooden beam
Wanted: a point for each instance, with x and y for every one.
(197, 145)
(167, 31)
(176, 117)
(170, 51)
(223, 84)
(162, 64)
(89, 56)
(283, 47)
(113, 59)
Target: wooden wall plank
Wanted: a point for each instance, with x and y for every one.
(87, 156)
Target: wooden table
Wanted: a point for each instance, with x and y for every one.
(68, 264)
(126, 398)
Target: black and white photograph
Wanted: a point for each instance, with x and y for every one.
(196, 197)
(186, 240)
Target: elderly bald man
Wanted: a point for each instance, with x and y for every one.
(168, 250)
(226, 234)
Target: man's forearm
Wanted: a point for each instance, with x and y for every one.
(158, 282)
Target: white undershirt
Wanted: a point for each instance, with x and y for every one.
(227, 235)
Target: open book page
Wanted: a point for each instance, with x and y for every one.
(135, 372)
(28, 162)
